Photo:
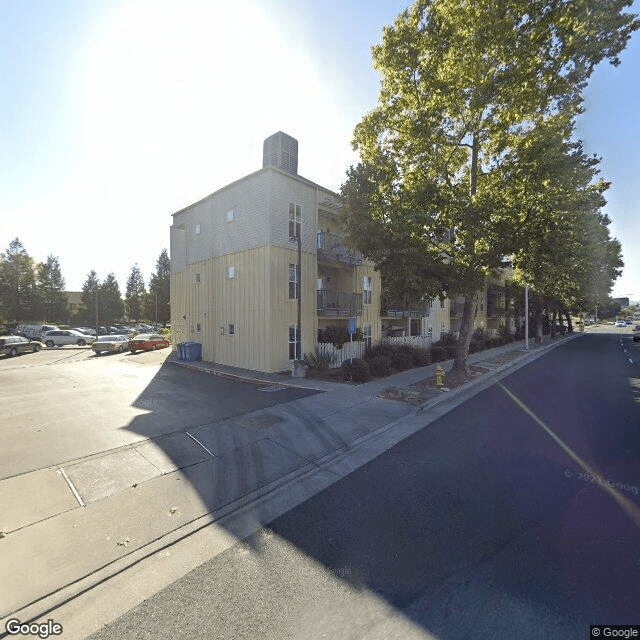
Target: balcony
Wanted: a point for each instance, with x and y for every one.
(455, 309)
(496, 308)
(389, 310)
(339, 303)
(332, 248)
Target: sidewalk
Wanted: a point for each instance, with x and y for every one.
(71, 532)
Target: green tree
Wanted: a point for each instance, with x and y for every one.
(460, 82)
(135, 294)
(51, 299)
(91, 299)
(561, 244)
(17, 283)
(157, 307)
(111, 304)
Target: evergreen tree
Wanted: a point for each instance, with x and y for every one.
(135, 294)
(17, 283)
(111, 304)
(51, 299)
(157, 307)
(91, 299)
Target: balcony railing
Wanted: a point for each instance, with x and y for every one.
(456, 309)
(339, 303)
(496, 308)
(409, 311)
(333, 247)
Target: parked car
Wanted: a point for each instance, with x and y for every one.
(110, 344)
(13, 345)
(636, 333)
(88, 331)
(61, 337)
(619, 323)
(147, 341)
(34, 331)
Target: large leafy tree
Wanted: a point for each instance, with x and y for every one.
(135, 293)
(562, 239)
(157, 307)
(460, 81)
(17, 283)
(51, 299)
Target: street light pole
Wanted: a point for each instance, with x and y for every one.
(299, 341)
(526, 317)
(298, 347)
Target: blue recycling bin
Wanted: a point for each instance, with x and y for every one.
(181, 351)
(192, 351)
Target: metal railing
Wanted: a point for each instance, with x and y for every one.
(338, 303)
(333, 247)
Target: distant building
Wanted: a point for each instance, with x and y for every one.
(623, 302)
(74, 302)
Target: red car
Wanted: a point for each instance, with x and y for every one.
(147, 341)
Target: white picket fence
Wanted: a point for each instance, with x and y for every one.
(424, 342)
(349, 350)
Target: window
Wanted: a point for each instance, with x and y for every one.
(198, 328)
(197, 278)
(366, 336)
(231, 272)
(442, 303)
(196, 229)
(430, 333)
(366, 290)
(294, 343)
(294, 281)
(294, 220)
(231, 215)
(442, 330)
(232, 329)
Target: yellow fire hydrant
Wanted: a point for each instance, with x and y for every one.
(439, 376)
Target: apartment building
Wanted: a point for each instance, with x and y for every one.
(429, 319)
(245, 257)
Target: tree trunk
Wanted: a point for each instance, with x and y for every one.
(553, 323)
(538, 334)
(569, 325)
(466, 331)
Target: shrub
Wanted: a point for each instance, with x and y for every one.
(334, 335)
(321, 359)
(450, 351)
(438, 353)
(448, 340)
(401, 360)
(380, 350)
(421, 357)
(380, 366)
(355, 370)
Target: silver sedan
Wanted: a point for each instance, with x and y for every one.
(111, 344)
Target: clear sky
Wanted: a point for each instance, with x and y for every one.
(117, 113)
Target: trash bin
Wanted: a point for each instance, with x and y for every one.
(181, 352)
(192, 351)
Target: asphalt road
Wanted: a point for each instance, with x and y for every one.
(487, 524)
(65, 403)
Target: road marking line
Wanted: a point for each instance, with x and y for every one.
(73, 489)
(200, 443)
(632, 510)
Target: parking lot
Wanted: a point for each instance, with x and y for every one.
(66, 403)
